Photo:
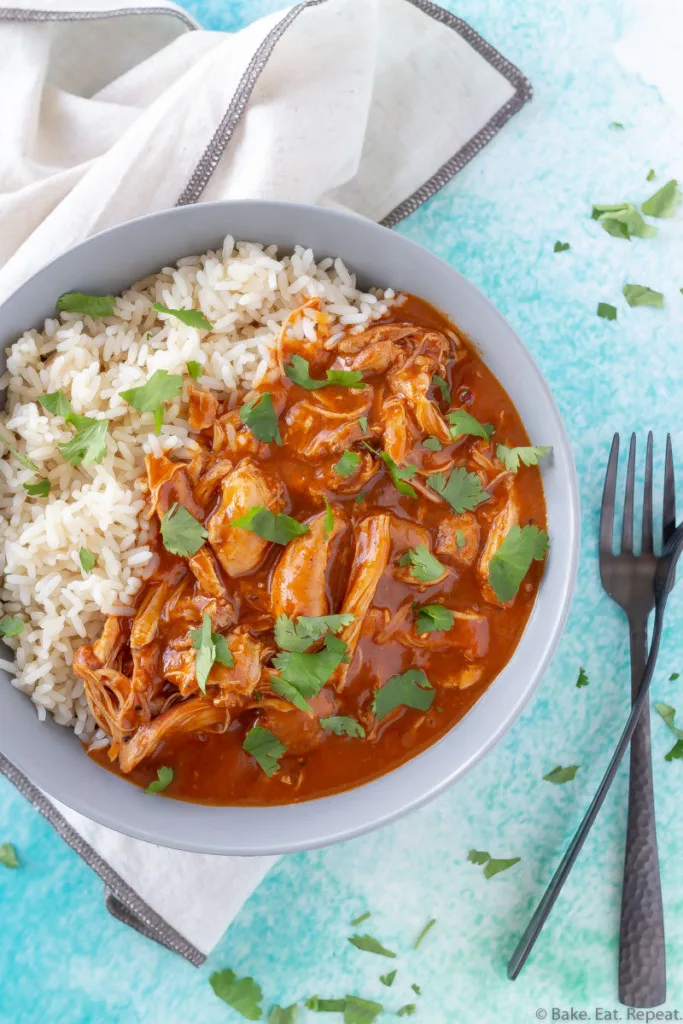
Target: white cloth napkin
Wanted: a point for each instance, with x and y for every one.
(372, 105)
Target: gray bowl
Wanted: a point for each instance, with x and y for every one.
(107, 263)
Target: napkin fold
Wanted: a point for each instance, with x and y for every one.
(115, 112)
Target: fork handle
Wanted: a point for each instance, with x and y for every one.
(642, 958)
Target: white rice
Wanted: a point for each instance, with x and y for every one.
(246, 292)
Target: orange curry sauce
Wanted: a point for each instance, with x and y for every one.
(211, 767)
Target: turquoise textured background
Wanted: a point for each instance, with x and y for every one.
(63, 959)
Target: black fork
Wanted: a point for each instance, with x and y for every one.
(629, 579)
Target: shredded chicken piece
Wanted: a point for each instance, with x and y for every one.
(470, 631)
(298, 730)
(211, 478)
(314, 430)
(239, 551)
(458, 538)
(405, 535)
(193, 715)
(331, 480)
(377, 334)
(203, 408)
(109, 644)
(298, 583)
(232, 436)
(234, 682)
(169, 482)
(411, 383)
(504, 520)
(373, 543)
(146, 621)
(204, 568)
(466, 677)
(394, 428)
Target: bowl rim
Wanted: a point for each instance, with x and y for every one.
(376, 803)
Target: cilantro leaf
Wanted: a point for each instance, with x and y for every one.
(582, 679)
(266, 749)
(298, 371)
(561, 246)
(86, 559)
(343, 725)
(286, 1015)
(243, 994)
(163, 780)
(425, 567)
(416, 989)
(360, 1011)
(673, 676)
(478, 856)
(41, 489)
(460, 538)
(433, 617)
(308, 628)
(521, 546)
(8, 856)
(194, 369)
(278, 528)
(676, 752)
(348, 464)
(181, 533)
(303, 675)
(89, 444)
(464, 423)
(388, 979)
(528, 456)
(56, 402)
(11, 625)
(407, 1011)
(494, 867)
(615, 124)
(623, 221)
(560, 775)
(161, 387)
(640, 295)
(607, 311)
(398, 474)
(191, 317)
(650, 176)
(432, 443)
(664, 202)
(259, 415)
(96, 306)
(328, 521)
(363, 423)
(371, 945)
(411, 689)
(359, 920)
(443, 387)
(203, 643)
(325, 1005)
(360, 498)
(17, 455)
(462, 490)
(425, 931)
(668, 714)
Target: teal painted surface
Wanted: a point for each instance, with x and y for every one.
(63, 959)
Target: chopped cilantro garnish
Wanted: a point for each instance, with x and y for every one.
(161, 387)
(348, 464)
(343, 725)
(664, 202)
(462, 490)
(411, 689)
(493, 866)
(17, 455)
(278, 528)
(616, 124)
(89, 443)
(265, 748)
(298, 371)
(561, 246)
(560, 775)
(425, 931)
(210, 647)
(86, 559)
(243, 994)
(56, 403)
(308, 628)
(163, 780)
(388, 979)
(325, 1005)
(424, 566)
(259, 415)
(95, 306)
(582, 679)
(432, 443)
(478, 856)
(194, 369)
(460, 538)
(284, 1015)
(521, 546)
(674, 676)
(181, 533)
(416, 989)
(371, 945)
(302, 675)
(528, 456)
(8, 856)
(360, 1011)
(607, 311)
(11, 625)
(623, 221)
(407, 1011)
(359, 920)
(464, 423)
(360, 498)
(640, 295)
(328, 521)
(443, 387)
(676, 752)
(190, 317)
(398, 474)
(432, 617)
(41, 489)
(650, 176)
(363, 423)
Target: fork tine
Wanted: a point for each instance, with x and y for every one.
(627, 530)
(608, 500)
(669, 509)
(647, 498)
